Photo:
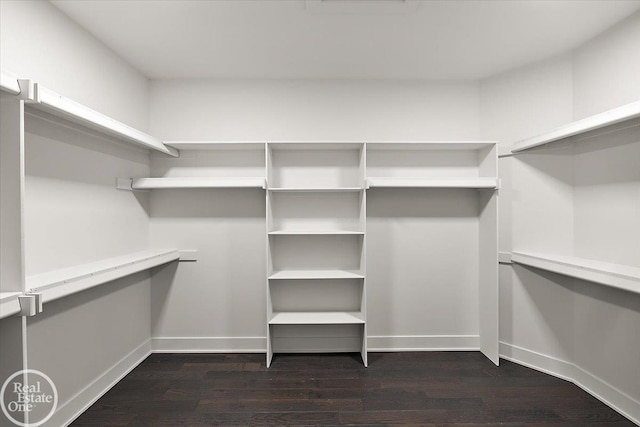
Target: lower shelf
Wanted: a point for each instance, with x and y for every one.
(317, 318)
(609, 274)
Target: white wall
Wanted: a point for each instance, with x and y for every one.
(39, 42)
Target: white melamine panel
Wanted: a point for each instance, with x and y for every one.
(316, 212)
(314, 168)
(78, 339)
(316, 295)
(315, 274)
(488, 274)
(317, 318)
(316, 252)
(293, 338)
(230, 162)
(432, 182)
(73, 212)
(196, 182)
(11, 193)
(222, 294)
(422, 262)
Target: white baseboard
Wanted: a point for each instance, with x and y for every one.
(209, 344)
(423, 343)
(79, 403)
(601, 390)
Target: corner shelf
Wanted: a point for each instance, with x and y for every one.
(597, 121)
(196, 182)
(608, 274)
(391, 182)
(60, 283)
(315, 274)
(9, 304)
(317, 318)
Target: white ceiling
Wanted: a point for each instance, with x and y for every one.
(393, 39)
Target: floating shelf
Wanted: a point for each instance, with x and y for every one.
(317, 190)
(217, 145)
(58, 105)
(315, 274)
(9, 304)
(433, 182)
(314, 233)
(196, 182)
(9, 84)
(614, 275)
(317, 318)
(607, 118)
(60, 283)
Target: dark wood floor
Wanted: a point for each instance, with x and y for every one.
(434, 388)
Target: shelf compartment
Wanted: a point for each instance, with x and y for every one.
(68, 109)
(196, 182)
(60, 283)
(317, 318)
(608, 274)
(479, 182)
(315, 274)
(597, 121)
(9, 304)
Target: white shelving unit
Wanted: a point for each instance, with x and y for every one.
(316, 210)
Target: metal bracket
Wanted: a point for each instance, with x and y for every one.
(30, 304)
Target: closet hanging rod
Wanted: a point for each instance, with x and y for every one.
(51, 102)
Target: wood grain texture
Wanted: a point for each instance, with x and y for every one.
(434, 388)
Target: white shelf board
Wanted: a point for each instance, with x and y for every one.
(68, 109)
(197, 182)
(217, 145)
(9, 304)
(316, 190)
(472, 182)
(609, 274)
(429, 145)
(316, 318)
(315, 274)
(60, 283)
(315, 145)
(9, 84)
(314, 232)
(597, 121)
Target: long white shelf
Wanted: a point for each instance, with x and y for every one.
(314, 233)
(197, 182)
(9, 304)
(609, 274)
(472, 182)
(429, 145)
(315, 274)
(66, 108)
(60, 283)
(217, 145)
(316, 189)
(597, 121)
(316, 318)
(9, 84)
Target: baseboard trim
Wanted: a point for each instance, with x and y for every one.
(209, 344)
(423, 343)
(598, 388)
(79, 403)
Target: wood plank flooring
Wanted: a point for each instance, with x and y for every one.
(427, 388)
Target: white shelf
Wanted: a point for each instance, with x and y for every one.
(429, 145)
(9, 304)
(217, 145)
(314, 233)
(316, 190)
(60, 283)
(479, 182)
(607, 118)
(317, 318)
(614, 275)
(68, 109)
(315, 274)
(196, 182)
(9, 84)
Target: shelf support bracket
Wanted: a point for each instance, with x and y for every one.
(30, 304)
(124, 184)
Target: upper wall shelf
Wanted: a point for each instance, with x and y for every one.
(607, 118)
(217, 145)
(316, 190)
(60, 283)
(197, 182)
(430, 145)
(433, 182)
(614, 275)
